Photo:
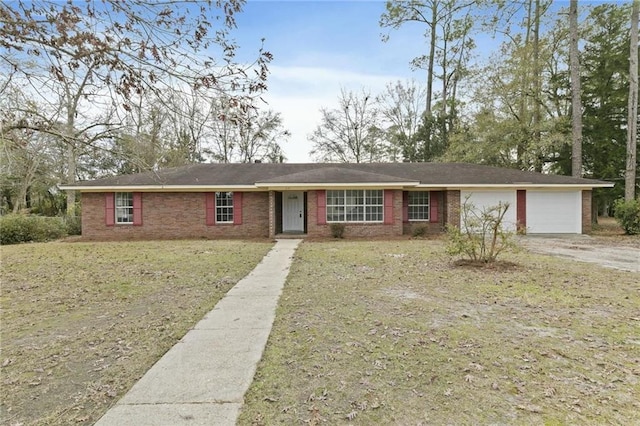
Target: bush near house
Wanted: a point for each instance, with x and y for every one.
(337, 230)
(627, 213)
(481, 236)
(19, 228)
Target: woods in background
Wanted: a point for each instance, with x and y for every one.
(92, 90)
(515, 109)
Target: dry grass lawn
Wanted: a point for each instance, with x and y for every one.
(81, 322)
(394, 333)
(608, 231)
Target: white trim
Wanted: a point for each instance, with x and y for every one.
(314, 186)
(518, 186)
(161, 188)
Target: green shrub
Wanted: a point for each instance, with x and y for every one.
(627, 214)
(16, 228)
(337, 230)
(419, 231)
(73, 225)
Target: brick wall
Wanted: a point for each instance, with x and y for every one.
(355, 229)
(175, 215)
(452, 207)
(182, 215)
(408, 228)
(586, 211)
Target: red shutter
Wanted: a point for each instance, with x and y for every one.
(237, 208)
(405, 206)
(521, 210)
(434, 201)
(109, 209)
(137, 208)
(322, 207)
(388, 206)
(210, 208)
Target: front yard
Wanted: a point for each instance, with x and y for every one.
(82, 322)
(392, 333)
(382, 332)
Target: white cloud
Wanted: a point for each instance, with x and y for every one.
(298, 93)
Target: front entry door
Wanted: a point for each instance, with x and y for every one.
(293, 211)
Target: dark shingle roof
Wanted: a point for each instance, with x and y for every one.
(335, 175)
(454, 174)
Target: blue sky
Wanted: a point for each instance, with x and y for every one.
(320, 46)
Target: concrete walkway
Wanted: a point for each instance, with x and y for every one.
(203, 378)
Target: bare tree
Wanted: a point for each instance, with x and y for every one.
(448, 28)
(260, 134)
(576, 100)
(351, 132)
(83, 54)
(402, 106)
(632, 122)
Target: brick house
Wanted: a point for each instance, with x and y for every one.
(266, 200)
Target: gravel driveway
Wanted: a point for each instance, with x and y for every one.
(584, 248)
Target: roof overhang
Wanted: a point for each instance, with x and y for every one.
(159, 188)
(264, 186)
(524, 185)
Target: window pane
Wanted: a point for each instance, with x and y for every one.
(224, 207)
(418, 205)
(374, 213)
(355, 214)
(335, 198)
(124, 207)
(335, 214)
(374, 197)
(354, 205)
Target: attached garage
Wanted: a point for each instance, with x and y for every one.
(554, 212)
(485, 199)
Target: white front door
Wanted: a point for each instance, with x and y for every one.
(293, 211)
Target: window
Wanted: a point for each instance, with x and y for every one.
(418, 205)
(124, 207)
(355, 206)
(224, 207)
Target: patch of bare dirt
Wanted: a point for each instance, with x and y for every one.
(609, 253)
(498, 265)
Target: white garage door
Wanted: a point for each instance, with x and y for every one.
(554, 212)
(484, 199)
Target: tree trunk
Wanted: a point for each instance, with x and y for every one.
(432, 53)
(523, 111)
(72, 162)
(632, 125)
(576, 102)
(72, 166)
(537, 87)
